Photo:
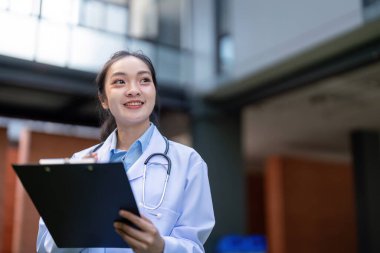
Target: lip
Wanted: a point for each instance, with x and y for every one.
(134, 104)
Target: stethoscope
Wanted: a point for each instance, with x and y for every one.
(167, 158)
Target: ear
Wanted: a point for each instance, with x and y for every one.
(103, 100)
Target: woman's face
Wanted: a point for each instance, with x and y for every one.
(130, 93)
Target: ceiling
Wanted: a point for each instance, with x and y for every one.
(316, 120)
(44, 92)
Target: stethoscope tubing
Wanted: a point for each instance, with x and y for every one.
(167, 158)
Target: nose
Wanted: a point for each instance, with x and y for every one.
(132, 90)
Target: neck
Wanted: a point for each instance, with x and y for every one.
(126, 136)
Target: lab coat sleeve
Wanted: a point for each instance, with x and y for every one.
(46, 244)
(197, 215)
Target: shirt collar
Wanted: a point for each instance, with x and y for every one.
(141, 142)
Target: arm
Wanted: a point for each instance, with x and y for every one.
(197, 217)
(46, 244)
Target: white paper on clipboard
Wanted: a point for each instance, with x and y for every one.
(66, 160)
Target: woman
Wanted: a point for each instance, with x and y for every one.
(184, 218)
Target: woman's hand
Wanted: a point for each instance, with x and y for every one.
(91, 156)
(146, 240)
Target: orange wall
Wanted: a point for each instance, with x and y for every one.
(9, 200)
(309, 206)
(34, 146)
(3, 148)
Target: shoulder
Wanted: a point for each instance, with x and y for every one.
(180, 146)
(101, 149)
(185, 152)
(84, 152)
(188, 163)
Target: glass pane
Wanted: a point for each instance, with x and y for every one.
(85, 54)
(146, 47)
(19, 38)
(118, 2)
(22, 6)
(117, 19)
(169, 22)
(169, 65)
(224, 16)
(4, 4)
(75, 12)
(143, 19)
(369, 2)
(53, 41)
(36, 7)
(186, 67)
(59, 11)
(93, 14)
(371, 9)
(226, 53)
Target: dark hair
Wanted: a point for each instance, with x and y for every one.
(108, 123)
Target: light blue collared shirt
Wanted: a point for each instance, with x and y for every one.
(135, 151)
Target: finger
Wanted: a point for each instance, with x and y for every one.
(130, 231)
(140, 222)
(132, 242)
(92, 155)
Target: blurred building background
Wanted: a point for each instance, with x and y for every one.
(281, 98)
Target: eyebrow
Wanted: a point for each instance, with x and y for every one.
(143, 72)
(125, 74)
(119, 74)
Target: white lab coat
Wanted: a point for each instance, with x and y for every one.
(185, 218)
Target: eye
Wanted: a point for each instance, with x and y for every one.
(145, 80)
(118, 81)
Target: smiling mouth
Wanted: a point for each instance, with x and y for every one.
(134, 103)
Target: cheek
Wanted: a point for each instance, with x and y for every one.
(112, 99)
(152, 95)
(154, 98)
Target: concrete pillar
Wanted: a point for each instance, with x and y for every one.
(366, 156)
(217, 137)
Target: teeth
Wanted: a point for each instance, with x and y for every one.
(134, 103)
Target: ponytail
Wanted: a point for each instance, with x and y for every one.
(108, 125)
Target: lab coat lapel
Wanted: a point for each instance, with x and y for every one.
(156, 145)
(104, 151)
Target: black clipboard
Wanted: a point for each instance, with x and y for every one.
(80, 202)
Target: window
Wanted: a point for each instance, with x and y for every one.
(369, 2)
(371, 9)
(105, 16)
(82, 34)
(144, 19)
(59, 11)
(225, 51)
(27, 7)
